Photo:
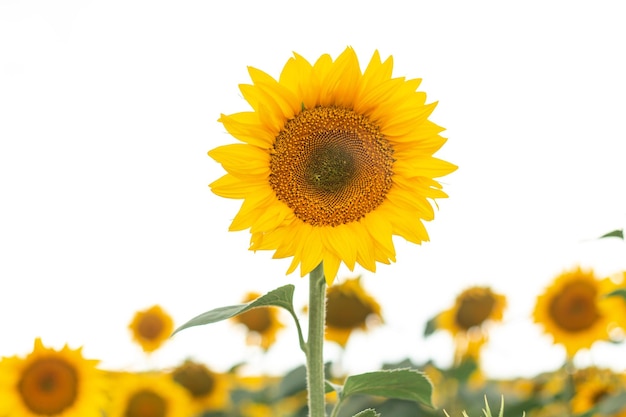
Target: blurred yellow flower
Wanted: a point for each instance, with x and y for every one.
(335, 161)
(262, 323)
(148, 395)
(349, 307)
(209, 390)
(474, 309)
(592, 386)
(150, 328)
(48, 382)
(574, 310)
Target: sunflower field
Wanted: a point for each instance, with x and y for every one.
(333, 164)
(578, 310)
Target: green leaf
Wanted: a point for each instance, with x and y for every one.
(370, 412)
(403, 384)
(280, 297)
(620, 292)
(431, 326)
(615, 233)
(295, 381)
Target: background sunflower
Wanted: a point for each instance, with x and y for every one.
(148, 394)
(348, 308)
(150, 328)
(262, 324)
(575, 312)
(51, 382)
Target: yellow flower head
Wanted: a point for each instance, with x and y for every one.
(262, 323)
(575, 312)
(334, 162)
(208, 389)
(592, 386)
(48, 382)
(148, 395)
(151, 328)
(348, 307)
(473, 310)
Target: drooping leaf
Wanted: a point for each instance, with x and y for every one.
(619, 233)
(403, 384)
(370, 412)
(280, 297)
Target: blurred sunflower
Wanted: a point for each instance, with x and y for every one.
(592, 386)
(349, 307)
(334, 162)
(262, 323)
(148, 395)
(574, 310)
(150, 328)
(474, 309)
(208, 389)
(48, 382)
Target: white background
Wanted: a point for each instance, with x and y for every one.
(107, 110)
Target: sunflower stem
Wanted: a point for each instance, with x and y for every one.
(315, 343)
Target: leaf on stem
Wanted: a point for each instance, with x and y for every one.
(403, 384)
(280, 297)
(370, 412)
(615, 233)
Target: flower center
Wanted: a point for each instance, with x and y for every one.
(574, 309)
(331, 166)
(150, 326)
(346, 311)
(256, 320)
(146, 403)
(195, 378)
(48, 386)
(474, 308)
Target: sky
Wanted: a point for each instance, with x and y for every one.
(107, 111)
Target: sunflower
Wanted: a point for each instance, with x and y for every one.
(468, 319)
(349, 307)
(574, 310)
(150, 328)
(208, 389)
(48, 382)
(334, 162)
(592, 386)
(148, 395)
(262, 323)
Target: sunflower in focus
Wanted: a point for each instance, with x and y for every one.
(262, 323)
(349, 307)
(467, 321)
(208, 389)
(150, 328)
(148, 395)
(334, 162)
(48, 382)
(575, 311)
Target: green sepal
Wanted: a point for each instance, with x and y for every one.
(370, 412)
(280, 297)
(619, 233)
(403, 384)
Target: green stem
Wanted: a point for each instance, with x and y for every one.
(315, 343)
